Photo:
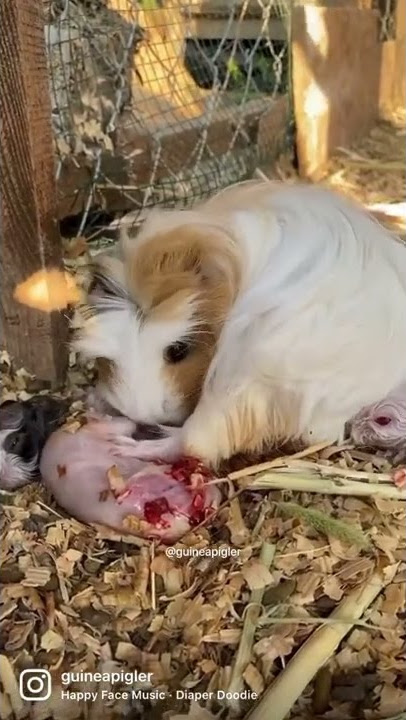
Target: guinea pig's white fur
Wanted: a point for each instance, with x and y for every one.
(294, 301)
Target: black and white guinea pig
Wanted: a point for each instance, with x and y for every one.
(269, 313)
(24, 428)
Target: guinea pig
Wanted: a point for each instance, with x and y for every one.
(383, 425)
(267, 314)
(24, 429)
(95, 484)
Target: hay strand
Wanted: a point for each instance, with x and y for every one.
(252, 614)
(279, 699)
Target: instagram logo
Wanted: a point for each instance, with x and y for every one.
(35, 685)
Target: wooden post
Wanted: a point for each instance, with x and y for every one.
(336, 101)
(30, 238)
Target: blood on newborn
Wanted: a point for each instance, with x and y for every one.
(154, 511)
(186, 468)
(150, 499)
(198, 510)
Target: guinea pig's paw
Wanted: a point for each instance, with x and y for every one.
(167, 449)
(122, 445)
(207, 442)
(399, 478)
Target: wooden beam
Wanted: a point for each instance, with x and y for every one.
(226, 7)
(248, 28)
(124, 175)
(35, 340)
(210, 19)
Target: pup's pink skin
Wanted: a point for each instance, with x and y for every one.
(383, 426)
(74, 467)
(167, 448)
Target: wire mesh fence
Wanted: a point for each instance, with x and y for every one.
(158, 101)
(387, 18)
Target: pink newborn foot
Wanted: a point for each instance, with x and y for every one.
(166, 449)
(399, 477)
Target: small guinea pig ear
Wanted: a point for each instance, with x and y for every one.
(11, 415)
(45, 414)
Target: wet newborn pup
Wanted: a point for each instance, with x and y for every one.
(152, 500)
(269, 313)
(383, 425)
(24, 429)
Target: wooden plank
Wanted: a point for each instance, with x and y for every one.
(176, 145)
(393, 69)
(254, 7)
(361, 4)
(336, 65)
(224, 7)
(35, 340)
(210, 19)
(209, 28)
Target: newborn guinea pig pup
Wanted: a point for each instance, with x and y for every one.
(24, 429)
(268, 313)
(98, 485)
(383, 425)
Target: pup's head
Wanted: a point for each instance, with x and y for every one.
(153, 320)
(382, 425)
(24, 429)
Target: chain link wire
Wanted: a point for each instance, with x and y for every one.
(155, 101)
(387, 16)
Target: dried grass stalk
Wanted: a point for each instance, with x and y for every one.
(252, 614)
(278, 700)
(310, 482)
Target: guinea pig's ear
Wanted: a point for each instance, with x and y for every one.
(45, 413)
(11, 415)
(188, 257)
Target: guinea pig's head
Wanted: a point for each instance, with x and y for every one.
(382, 425)
(24, 429)
(153, 319)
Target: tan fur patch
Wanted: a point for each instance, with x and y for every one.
(169, 271)
(187, 377)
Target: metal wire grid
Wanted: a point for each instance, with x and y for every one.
(387, 16)
(125, 74)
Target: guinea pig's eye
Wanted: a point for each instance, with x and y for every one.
(22, 444)
(14, 442)
(177, 352)
(383, 420)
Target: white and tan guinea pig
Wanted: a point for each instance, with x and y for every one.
(268, 313)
